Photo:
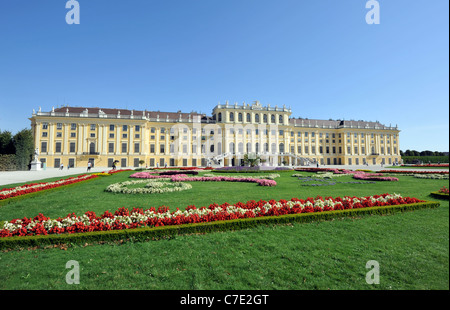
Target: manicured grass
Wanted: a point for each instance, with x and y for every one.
(412, 248)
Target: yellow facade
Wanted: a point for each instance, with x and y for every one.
(73, 136)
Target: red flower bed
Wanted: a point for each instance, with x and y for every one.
(414, 171)
(124, 218)
(36, 187)
(430, 165)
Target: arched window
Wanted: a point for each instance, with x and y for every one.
(274, 148)
(241, 147)
(272, 118)
(231, 117)
(266, 147)
(280, 119)
(265, 118)
(249, 117)
(257, 147)
(249, 147)
(219, 117)
(256, 118)
(219, 147)
(281, 147)
(239, 117)
(232, 150)
(92, 148)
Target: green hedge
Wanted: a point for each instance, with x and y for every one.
(425, 159)
(439, 195)
(155, 233)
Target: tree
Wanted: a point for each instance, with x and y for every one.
(24, 145)
(251, 159)
(6, 143)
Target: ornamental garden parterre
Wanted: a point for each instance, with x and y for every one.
(160, 181)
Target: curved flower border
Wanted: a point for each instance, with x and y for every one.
(36, 187)
(123, 218)
(151, 187)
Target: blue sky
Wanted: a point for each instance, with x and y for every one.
(319, 57)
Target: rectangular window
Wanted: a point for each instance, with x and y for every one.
(124, 128)
(44, 134)
(136, 147)
(161, 148)
(58, 147)
(93, 126)
(111, 127)
(73, 134)
(111, 135)
(152, 148)
(72, 147)
(44, 147)
(124, 147)
(71, 162)
(73, 126)
(59, 134)
(123, 162)
(137, 128)
(152, 162)
(58, 126)
(44, 125)
(111, 147)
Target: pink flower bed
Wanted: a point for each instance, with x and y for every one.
(185, 178)
(372, 176)
(414, 171)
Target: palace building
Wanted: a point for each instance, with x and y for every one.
(76, 135)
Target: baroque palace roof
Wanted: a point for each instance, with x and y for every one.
(96, 112)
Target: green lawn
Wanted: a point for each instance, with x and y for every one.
(412, 248)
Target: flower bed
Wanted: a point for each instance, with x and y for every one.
(442, 193)
(413, 172)
(432, 176)
(246, 169)
(430, 165)
(261, 182)
(123, 218)
(151, 187)
(36, 187)
(372, 177)
(182, 177)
